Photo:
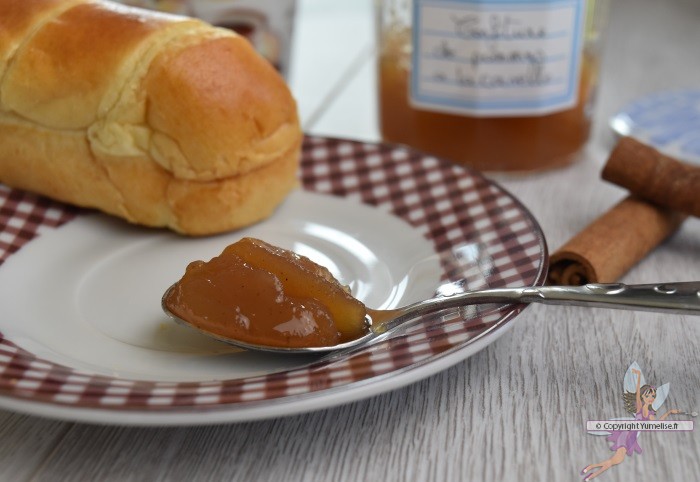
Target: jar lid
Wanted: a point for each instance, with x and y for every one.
(667, 121)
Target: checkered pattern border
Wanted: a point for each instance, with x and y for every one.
(483, 235)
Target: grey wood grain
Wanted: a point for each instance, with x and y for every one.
(514, 411)
(25, 442)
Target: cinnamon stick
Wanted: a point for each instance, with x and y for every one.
(608, 247)
(653, 176)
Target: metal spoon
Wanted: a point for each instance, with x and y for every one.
(681, 298)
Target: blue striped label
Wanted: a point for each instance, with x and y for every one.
(496, 58)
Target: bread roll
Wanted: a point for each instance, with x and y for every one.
(159, 119)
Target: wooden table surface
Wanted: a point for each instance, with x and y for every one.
(514, 411)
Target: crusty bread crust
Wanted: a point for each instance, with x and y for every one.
(159, 119)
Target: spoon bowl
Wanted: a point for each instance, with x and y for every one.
(679, 298)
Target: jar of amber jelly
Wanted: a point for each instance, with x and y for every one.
(499, 85)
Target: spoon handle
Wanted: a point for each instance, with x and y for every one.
(682, 297)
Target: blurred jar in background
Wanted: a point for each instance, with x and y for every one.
(494, 84)
(267, 24)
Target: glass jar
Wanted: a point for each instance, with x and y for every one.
(499, 85)
(267, 24)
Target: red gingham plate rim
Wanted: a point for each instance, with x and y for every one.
(303, 402)
(265, 409)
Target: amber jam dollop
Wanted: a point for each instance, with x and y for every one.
(258, 293)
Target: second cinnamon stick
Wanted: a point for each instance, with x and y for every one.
(608, 247)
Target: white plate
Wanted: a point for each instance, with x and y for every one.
(84, 337)
(88, 295)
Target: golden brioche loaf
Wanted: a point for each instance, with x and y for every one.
(159, 119)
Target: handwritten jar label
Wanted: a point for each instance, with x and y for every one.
(496, 57)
